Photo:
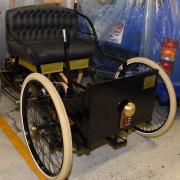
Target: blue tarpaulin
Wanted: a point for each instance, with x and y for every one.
(137, 25)
(145, 22)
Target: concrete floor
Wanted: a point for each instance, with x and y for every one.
(12, 166)
(141, 159)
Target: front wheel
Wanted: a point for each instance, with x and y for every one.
(46, 127)
(163, 113)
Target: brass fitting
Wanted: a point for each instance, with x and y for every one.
(129, 110)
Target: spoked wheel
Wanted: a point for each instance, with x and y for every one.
(46, 127)
(163, 113)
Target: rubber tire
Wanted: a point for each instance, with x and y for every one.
(171, 92)
(64, 122)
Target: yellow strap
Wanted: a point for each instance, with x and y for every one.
(20, 146)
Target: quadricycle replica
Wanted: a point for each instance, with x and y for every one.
(66, 104)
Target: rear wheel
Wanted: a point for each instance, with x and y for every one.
(163, 112)
(46, 127)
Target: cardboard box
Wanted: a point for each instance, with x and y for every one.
(60, 2)
(49, 1)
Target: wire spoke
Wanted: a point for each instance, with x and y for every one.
(160, 112)
(43, 130)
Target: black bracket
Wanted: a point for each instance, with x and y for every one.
(116, 141)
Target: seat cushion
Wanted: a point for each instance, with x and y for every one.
(37, 22)
(50, 51)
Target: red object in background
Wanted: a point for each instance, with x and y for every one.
(168, 54)
(167, 65)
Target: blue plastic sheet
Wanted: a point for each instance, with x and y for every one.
(137, 25)
(161, 20)
(115, 22)
(145, 22)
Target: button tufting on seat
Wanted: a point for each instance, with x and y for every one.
(39, 28)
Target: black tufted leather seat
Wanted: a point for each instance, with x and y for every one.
(35, 33)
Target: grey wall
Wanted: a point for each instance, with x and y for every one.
(4, 5)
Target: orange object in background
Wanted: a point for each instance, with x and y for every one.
(13, 3)
(50, 1)
(60, 2)
(169, 49)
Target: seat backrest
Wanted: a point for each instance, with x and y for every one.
(39, 22)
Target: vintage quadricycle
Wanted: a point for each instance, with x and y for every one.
(65, 102)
